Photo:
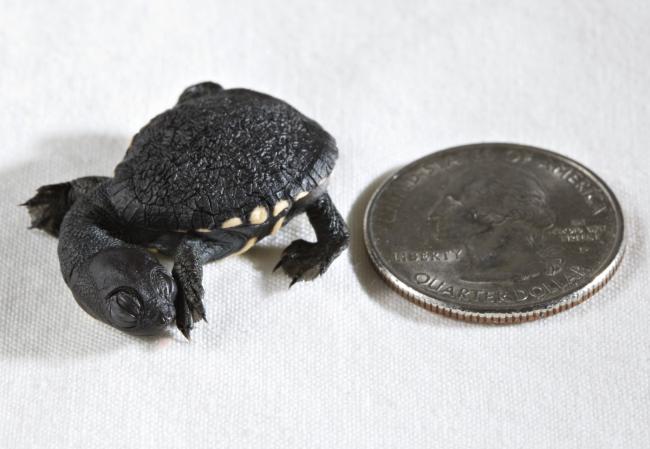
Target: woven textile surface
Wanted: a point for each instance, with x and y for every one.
(341, 362)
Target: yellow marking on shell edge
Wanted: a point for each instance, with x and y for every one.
(258, 215)
(153, 250)
(204, 230)
(277, 226)
(231, 222)
(249, 244)
(300, 196)
(279, 207)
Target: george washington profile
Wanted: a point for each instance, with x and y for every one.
(498, 214)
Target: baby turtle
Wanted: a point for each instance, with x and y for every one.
(208, 178)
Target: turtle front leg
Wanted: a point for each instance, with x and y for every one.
(51, 202)
(302, 259)
(189, 259)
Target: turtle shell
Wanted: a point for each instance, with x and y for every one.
(217, 157)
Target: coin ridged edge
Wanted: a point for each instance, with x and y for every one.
(566, 302)
(563, 304)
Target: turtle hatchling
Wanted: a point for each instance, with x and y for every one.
(205, 179)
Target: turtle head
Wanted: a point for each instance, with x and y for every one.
(128, 289)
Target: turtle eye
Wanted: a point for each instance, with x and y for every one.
(124, 308)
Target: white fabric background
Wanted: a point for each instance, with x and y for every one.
(342, 362)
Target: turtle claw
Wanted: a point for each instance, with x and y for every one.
(186, 334)
(189, 300)
(48, 207)
(303, 260)
(184, 320)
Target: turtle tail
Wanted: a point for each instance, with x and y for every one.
(51, 202)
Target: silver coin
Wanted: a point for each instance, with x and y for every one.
(495, 232)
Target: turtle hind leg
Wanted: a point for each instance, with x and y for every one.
(306, 260)
(51, 202)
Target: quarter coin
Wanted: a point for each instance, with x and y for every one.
(495, 232)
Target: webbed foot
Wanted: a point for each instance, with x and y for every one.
(189, 301)
(190, 256)
(48, 207)
(305, 260)
(51, 202)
